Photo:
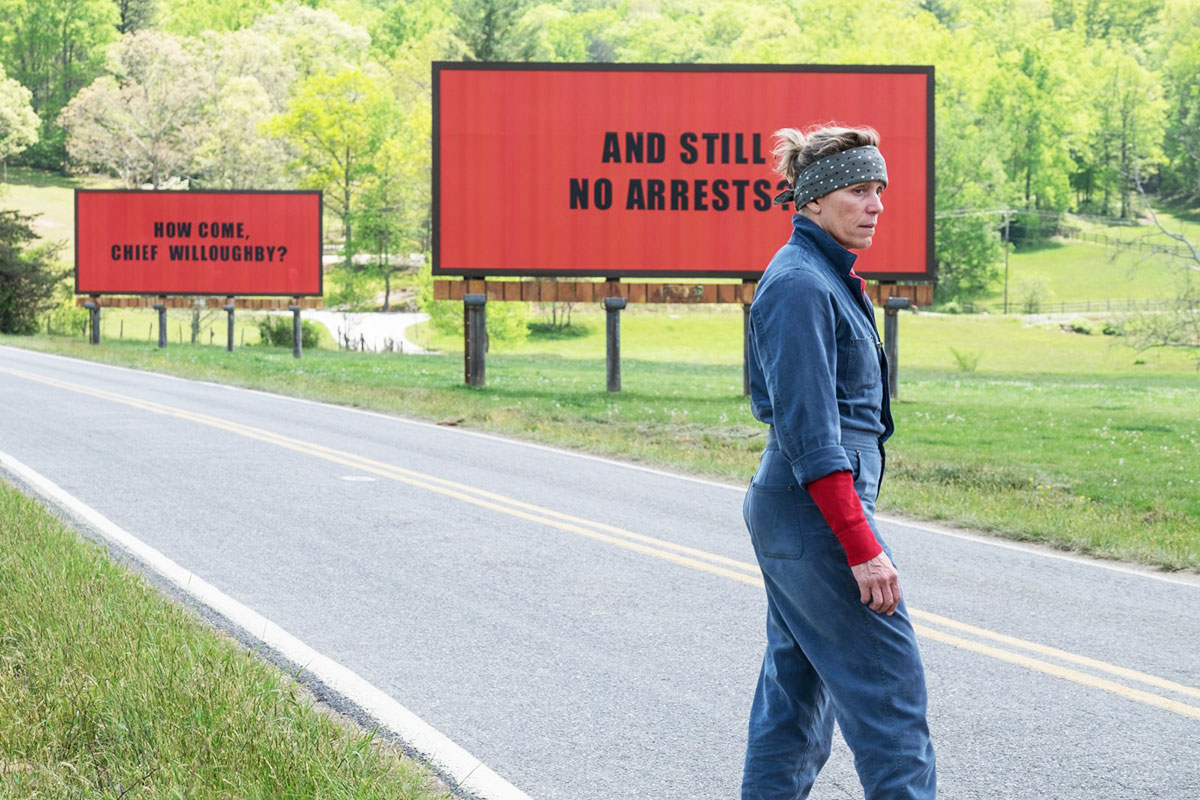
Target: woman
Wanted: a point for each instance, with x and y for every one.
(839, 641)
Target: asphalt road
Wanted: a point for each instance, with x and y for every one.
(593, 630)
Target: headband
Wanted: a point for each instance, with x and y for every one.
(856, 165)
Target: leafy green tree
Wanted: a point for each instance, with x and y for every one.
(234, 153)
(335, 123)
(405, 21)
(1130, 119)
(248, 53)
(193, 17)
(145, 121)
(495, 30)
(1180, 46)
(576, 35)
(54, 47)
(28, 274)
(1120, 20)
(314, 40)
(135, 14)
(18, 123)
(1034, 101)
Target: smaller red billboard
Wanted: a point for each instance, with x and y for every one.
(223, 243)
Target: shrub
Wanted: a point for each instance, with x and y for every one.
(1078, 326)
(28, 274)
(967, 362)
(276, 331)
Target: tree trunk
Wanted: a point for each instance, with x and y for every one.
(346, 210)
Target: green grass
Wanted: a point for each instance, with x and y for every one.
(1059, 438)
(1070, 271)
(109, 690)
(141, 325)
(702, 336)
(53, 197)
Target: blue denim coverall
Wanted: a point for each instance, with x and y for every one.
(816, 376)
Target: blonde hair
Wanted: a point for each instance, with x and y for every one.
(796, 149)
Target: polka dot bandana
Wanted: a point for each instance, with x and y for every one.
(856, 165)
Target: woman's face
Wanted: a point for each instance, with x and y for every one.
(849, 214)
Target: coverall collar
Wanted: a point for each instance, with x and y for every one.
(839, 257)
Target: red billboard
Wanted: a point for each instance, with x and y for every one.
(659, 170)
(222, 243)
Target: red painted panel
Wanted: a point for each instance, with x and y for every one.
(511, 140)
(221, 243)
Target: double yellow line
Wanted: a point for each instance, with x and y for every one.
(937, 628)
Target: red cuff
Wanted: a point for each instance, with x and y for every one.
(834, 494)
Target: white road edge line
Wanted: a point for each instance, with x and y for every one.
(448, 758)
(1030, 549)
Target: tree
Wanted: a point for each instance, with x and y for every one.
(495, 30)
(145, 121)
(384, 221)
(335, 123)
(246, 53)
(27, 274)
(18, 123)
(1122, 20)
(193, 17)
(314, 40)
(235, 153)
(1180, 44)
(135, 14)
(54, 47)
(405, 21)
(1127, 128)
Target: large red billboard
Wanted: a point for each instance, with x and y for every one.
(659, 170)
(222, 243)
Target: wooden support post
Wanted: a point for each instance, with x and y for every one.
(296, 329)
(475, 309)
(891, 340)
(93, 307)
(229, 307)
(745, 342)
(612, 308)
(161, 308)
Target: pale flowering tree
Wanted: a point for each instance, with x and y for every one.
(18, 122)
(145, 120)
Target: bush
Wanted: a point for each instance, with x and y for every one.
(1078, 326)
(967, 361)
(66, 319)
(27, 274)
(1030, 230)
(506, 322)
(276, 331)
(952, 307)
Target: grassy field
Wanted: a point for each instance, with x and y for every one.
(141, 325)
(109, 690)
(1002, 344)
(1058, 437)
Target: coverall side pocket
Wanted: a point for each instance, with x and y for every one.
(771, 517)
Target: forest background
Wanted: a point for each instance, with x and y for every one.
(1043, 106)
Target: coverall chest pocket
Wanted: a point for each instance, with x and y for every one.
(857, 365)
